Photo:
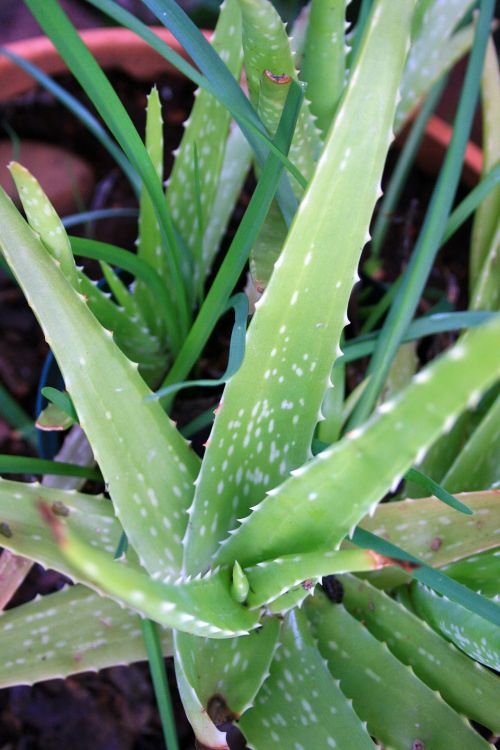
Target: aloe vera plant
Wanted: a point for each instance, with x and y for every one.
(225, 554)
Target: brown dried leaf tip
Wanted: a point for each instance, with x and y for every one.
(281, 79)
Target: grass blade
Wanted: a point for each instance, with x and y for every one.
(432, 232)
(154, 651)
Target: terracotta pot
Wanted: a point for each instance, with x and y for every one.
(116, 48)
(433, 148)
(122, 49)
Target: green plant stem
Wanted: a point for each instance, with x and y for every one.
(237, 255)
(133, 264)
(100, 214)
(27, 465)
(402, 170)
(160, 683)
(415, 277)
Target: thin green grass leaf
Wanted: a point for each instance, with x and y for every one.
(415, 277)
(434, 488)
(26, 465)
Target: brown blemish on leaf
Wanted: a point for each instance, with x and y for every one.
(5, 530)
(52, 521)
(219, 711)
(308, 584)
(436, 543)
(382, 561)
(418, 745)
(280, 79)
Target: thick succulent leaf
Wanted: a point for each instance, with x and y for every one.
(325, 499)
(409, 714)
(92, 516)
(206, 132)
(478, 637)
(224, 675)
(266, 47)
(478, 464)
(435, 49)
(270, 580)
(148, 466)
(201, 606)
(478, 572)
(323, 64)
(149, 242)
(485, 239)
(436, 533)
(71, 631)
(44, 220)
(440, 666)
(271, 406)
(235, 166)
(300, 706)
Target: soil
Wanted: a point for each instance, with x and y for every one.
(114, 710)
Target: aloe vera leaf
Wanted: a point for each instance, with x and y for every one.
(82, 64)
(266, 47)
(279, 388)
(272, 578)
(332, 408)
(129, 333)
(301, 689)
(411, 714)
(479, 638)
(433, 532)
(478, 464)
(478, 572)
(124, 298)
(486, 219)
(43, 219)
(298, 35)
(235, 165)
(201, 606)
(206, 130)
(324, 500)
(434, 50)
(267, 248)
(148, 466)
(224, 675)
(430, 656)
(323, 65)
(71, 631)
(25, 534)
(149, 244)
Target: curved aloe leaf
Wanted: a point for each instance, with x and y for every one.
(185, 604)
(24, 532)
(435, 48)
(435, 533)
(149, 242)
(271, 406)
(410, 714)
(325, 499)
(301, 689)
(206, 132)
(147, 464)
(471, 633)
(429, 655)
(71, 631)
(485, 230)
(266, 47)
(224, 676)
